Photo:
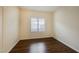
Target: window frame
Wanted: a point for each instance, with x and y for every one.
(38, 30)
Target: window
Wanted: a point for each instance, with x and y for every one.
(37, 24)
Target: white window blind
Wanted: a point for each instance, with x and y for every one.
(37, 24)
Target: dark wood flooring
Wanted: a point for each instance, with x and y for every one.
(44, 45)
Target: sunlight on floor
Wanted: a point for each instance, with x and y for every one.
(37, 48)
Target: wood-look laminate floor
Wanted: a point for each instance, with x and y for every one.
(45, 45)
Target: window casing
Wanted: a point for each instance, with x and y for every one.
(37, 24)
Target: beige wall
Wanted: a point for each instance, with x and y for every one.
(10, 27)
(25, 24)
(0, 29)
(66, 24)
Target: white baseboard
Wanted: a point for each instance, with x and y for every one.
(35, 38)
(12, 46)
(67, 44)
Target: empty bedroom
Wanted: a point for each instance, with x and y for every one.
(39, 29)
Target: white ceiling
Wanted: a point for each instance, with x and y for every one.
(42, 8)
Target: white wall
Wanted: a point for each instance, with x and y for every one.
(66, 24)
(25, 32)
(10, 27)
(1, 29)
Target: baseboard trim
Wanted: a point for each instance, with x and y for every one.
(39, 38)
(67, 44)
(13, 46)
